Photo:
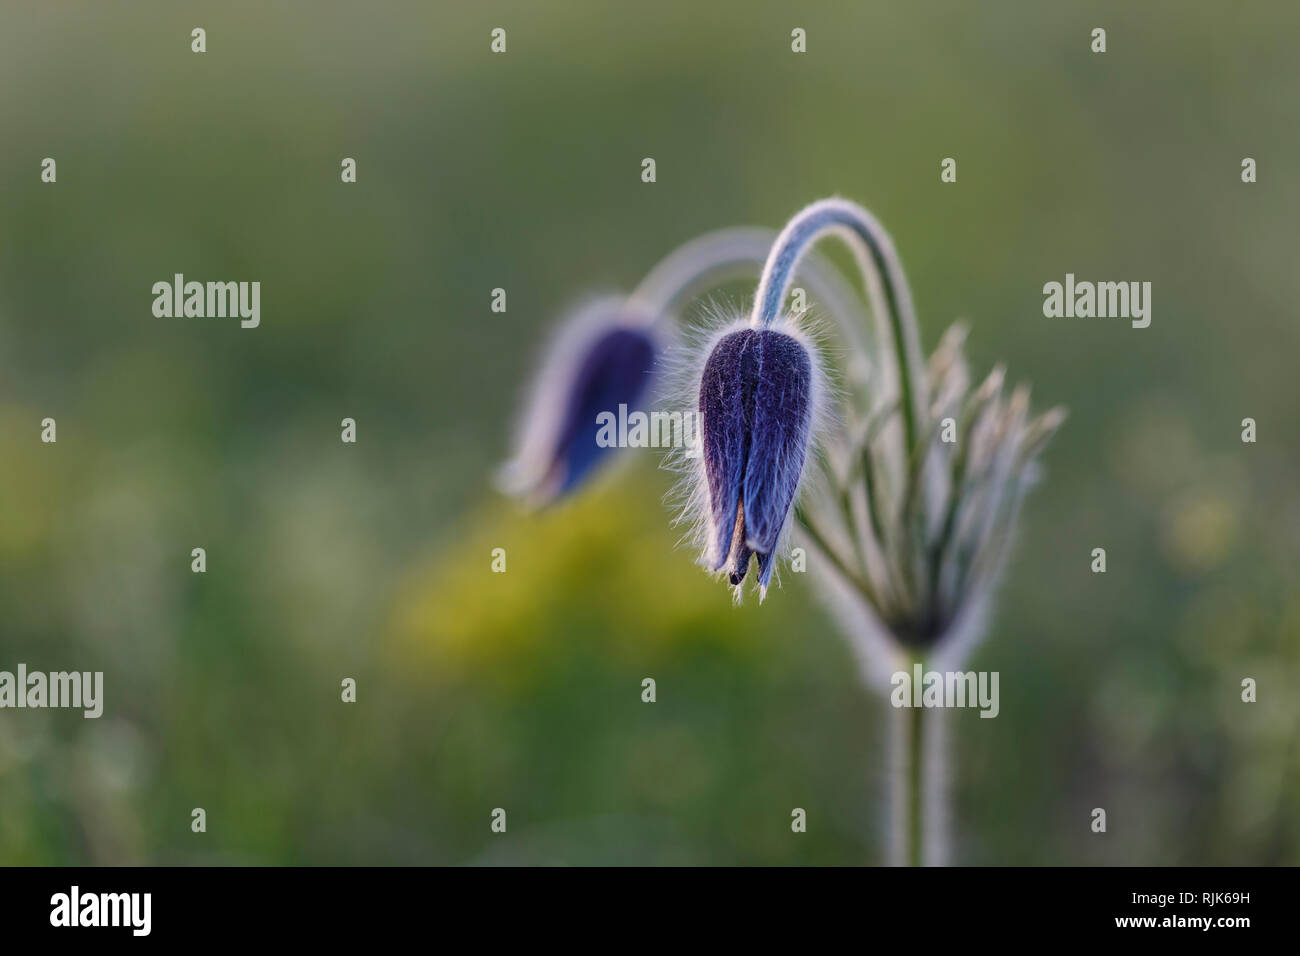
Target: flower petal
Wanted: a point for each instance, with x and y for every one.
(615, 371)
(725, 408)
(779, 434)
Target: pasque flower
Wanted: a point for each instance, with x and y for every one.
(919, 475)
(603, 358)
(756, 406)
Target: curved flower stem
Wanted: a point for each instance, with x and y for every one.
(881, 269)
(715, 257)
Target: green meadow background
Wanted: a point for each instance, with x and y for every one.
(522, 690)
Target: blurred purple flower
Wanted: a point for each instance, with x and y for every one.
(756, 402)
(602, 359)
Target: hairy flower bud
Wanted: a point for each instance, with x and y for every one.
(602, 360)
(756, 406)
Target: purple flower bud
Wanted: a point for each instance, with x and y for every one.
(756, 402)
(602, 360)
(615, 371)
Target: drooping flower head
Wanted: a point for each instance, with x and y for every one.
(906, 525)
(758, 400)
(608, 355)
(603, 358)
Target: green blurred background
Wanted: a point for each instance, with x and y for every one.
(522, 690)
